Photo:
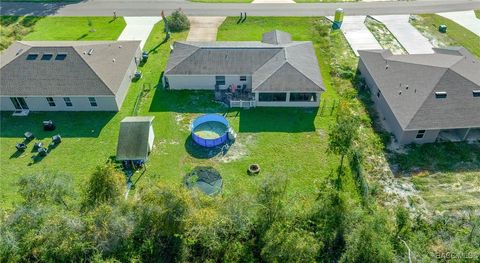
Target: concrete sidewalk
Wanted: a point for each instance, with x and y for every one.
(357, 33)
(408, 36)
(138, 28)
(467, 19)
(204, 28)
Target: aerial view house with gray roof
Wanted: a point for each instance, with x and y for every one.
(274, 72)
(427, 97)
(67, 75)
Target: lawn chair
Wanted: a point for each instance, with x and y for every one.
(48, 125)
(42, 151)
(21, 147)
(37, 145)
(56, 139)
(28, 136)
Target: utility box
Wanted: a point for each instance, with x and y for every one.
(338, 19)
(442, 28)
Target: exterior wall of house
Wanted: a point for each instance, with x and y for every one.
(410, 137)
(151, 138)
(78, 104)
(204, 82)
(286, 103)
(127, 79)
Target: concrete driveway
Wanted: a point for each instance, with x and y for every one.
(138, 28)
(204, 28)
(357, 34)
(408, 36)
(467, 19)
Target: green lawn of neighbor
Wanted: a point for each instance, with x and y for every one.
(477, 12)
(58, 28)
(290, 141)
(456, 35)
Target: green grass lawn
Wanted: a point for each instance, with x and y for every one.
(283, 141)
(47, 28)
(477, 13)
(456, 35)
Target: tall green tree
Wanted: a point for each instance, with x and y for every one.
(105, 185)
(343, 132)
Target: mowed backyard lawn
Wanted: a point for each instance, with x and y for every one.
(288, 141)
(456, 34)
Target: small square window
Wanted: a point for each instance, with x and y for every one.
(420, 134)
(243, 78)
(68, 102)
(441, 95)
(32, 56)
(60, 56)
(51, 102)
(93, 101)
(476, 93)
(46, 56)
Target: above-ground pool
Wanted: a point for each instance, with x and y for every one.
(210, 130)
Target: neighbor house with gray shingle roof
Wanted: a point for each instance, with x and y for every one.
(67, 75)
(274, 72)
(427, 97)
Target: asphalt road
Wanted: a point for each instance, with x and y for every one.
(153, 8)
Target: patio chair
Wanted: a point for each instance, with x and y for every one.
(38, 145)
(28, 136)
(56, 139)
(48, 125)
(21, 146)
(42, 151)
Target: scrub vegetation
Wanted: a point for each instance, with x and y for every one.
(384, 37)
(306, 204)
(456, 34)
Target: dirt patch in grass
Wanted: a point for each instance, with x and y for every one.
(384, 36)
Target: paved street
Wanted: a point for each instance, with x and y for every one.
(357, 33)
(153, 8)
(408, 36)
(466, 19)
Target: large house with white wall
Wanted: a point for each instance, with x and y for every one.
(67, 75)
(274, 72)
(426, 97)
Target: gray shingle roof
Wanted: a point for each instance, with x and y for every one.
(454, 71)
(133, 138)
(286, 66)
(276, 37)
(79, 74)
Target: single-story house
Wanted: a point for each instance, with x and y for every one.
(67, 75)
(427, 97)
(274, 72)
(135, 139)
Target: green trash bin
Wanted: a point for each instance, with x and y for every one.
(442, 28)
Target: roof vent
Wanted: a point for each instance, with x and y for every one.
(19, 51)
(386, 66)
(441, 94)
(90, 52)
(119, 46)
(113, 60)
(400, 92)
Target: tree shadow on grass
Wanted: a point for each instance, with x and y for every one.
(291, 120)
(185, 101)
(68, 124)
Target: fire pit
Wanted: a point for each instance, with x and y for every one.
(253, 169)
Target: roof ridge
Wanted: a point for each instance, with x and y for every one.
(94, 72)
(425, 99)
(265, 80)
